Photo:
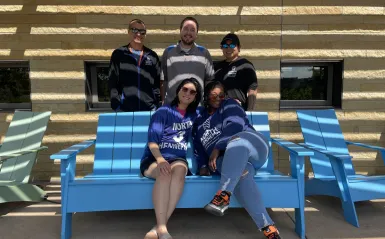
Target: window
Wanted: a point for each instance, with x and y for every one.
(98, 95)
(314, 84)
(15, 90)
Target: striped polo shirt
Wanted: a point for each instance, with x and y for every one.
(178, 65)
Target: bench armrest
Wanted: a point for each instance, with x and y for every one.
(327, 152)
(292, 147)
(8, 156)
(365, 145)
(72, 151)
(381, 149)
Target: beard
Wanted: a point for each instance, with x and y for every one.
(188, 42)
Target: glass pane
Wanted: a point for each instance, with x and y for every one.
(304, 83)
(15, 85)
(103, 92)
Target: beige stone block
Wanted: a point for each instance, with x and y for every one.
(266, 105)
(363, 10)
(371, 129)
(85, 9)
(375, 53)
(343, 29)
(68, 65)
(62, 97)
(375, 19)
(118, 19)
(363, 64)
(380, 96)
(71, 128)
(258, 20)
(101, 29)
(27, 45)
(373, 87)
(368, 75)
(90, 54)
(307, 45)
(37, 19)
(181, 10)
(59, 107)
(88, 45)
(294, 28)
(10, 8)
(322, 53)
(87, 117)
(312, 10)
(322, 19)
(261, 10)
(302, 3)
(62, 75)
(367, 3)
(239, 4)
(203, 20)
(48, 89)
(140, 3)
(364, 116)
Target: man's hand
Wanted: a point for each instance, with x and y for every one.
(204, 171)
(213, 159)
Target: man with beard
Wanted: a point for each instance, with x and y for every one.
(134, 76)
(185, 60)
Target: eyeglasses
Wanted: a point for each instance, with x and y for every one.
(215, 96)
(232, 46)
(185, 90)
(136, 30)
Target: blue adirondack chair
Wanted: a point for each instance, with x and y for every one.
(334, 174)
(115, 183)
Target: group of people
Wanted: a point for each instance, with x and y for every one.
(191, 97)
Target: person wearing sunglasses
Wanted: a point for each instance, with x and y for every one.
(226, 143)
(164, 158)
(237, 73)
(185, 59)
(134, 74)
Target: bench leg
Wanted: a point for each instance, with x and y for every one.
(300, 222)
(350, 212)
(66, 226)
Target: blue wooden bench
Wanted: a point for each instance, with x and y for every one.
(115, 183)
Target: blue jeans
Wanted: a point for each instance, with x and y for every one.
(246, 152)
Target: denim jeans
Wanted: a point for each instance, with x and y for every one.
(246, 152)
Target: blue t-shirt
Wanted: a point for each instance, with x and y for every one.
(171, 131)
(214, 131)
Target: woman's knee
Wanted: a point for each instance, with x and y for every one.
(249, 171)
(178, 169)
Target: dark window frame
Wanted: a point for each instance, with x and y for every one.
(11, 107)
(91, 84)
(334, 85)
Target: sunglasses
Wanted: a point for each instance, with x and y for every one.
(232, 46)
(215, 96)
(185, 90)
(136, 30)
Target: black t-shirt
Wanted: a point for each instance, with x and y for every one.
(238, 77)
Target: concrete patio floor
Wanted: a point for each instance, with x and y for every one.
(323, 220)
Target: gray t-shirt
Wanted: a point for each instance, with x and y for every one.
(178, 65)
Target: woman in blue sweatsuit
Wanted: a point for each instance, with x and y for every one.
(224, 140)
(164, 158)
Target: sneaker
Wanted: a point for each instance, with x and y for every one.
(271, 232)
(219, 204)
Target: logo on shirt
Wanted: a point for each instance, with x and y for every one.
(210, 135)
(232, 72)
(148, 61)
(178, 138)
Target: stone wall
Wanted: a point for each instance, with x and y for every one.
(57, 36)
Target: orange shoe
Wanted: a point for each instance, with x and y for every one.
(219, 204)
(271, 232)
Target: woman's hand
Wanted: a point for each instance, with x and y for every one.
(204, 171)
(164, 167)
(213, 159)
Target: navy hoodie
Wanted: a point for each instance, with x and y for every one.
(214, 131)
(171, 131)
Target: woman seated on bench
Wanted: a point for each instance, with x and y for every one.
(164, 158)
(225, 141)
